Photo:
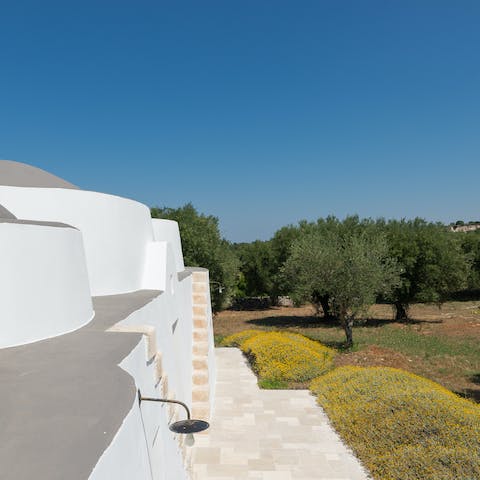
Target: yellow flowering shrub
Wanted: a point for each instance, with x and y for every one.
(402, 426)
(236, 339)
(287, 356)
(307, 343)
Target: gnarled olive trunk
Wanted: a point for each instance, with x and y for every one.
(324, 302)
(346, 322)
(401, 311)
(327, 313)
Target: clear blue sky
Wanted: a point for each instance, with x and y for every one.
(261, 112)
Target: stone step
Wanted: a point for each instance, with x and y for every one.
(200, 363)
(200, 393)
(201, 411)
(200, 299)
(147, 330)
(200, 335)
(199, 287)
(158, 370)
(200, 348)
(200, 277)
(200, 378)
(200, 310)
(200, 323)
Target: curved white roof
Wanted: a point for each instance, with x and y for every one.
(16, 174)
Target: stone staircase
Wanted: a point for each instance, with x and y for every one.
(201, 345)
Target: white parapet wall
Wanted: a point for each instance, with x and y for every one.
(115, 230)
(161, 366)
(168, 231)
(43, 282)
(144, 448)
(170, 317)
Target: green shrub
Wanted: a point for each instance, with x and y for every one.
(402, 426)
(269, 384)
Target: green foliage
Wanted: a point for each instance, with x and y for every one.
(256, 267)
(203, 246)
(471, 247)
(283, 239)
(346, 261)
(341, 265)
(269, 384)
(401, 426)
(261, 262)
(281, 244)
(432, 261)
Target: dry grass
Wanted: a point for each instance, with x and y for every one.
(440, 344)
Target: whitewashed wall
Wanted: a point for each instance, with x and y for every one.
(144, 448)
(115, 230)
(44, 282)
(168, 231)
(116, 249)
(170, 314)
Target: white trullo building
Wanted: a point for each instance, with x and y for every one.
(96, 304)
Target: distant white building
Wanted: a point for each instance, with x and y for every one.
(465, 228)
(96, 304)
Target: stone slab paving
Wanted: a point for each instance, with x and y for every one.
(267, 434)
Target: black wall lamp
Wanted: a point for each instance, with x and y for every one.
(219, 285)
(188, 426)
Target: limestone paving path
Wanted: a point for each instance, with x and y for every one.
(267, 434)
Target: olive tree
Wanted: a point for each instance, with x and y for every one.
(351, 267)
(256, 266)
(471, 247)
(433, 264)
(203, 246)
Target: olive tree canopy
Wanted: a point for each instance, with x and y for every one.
(349, 266)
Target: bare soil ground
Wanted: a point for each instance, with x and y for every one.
(442, 344)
